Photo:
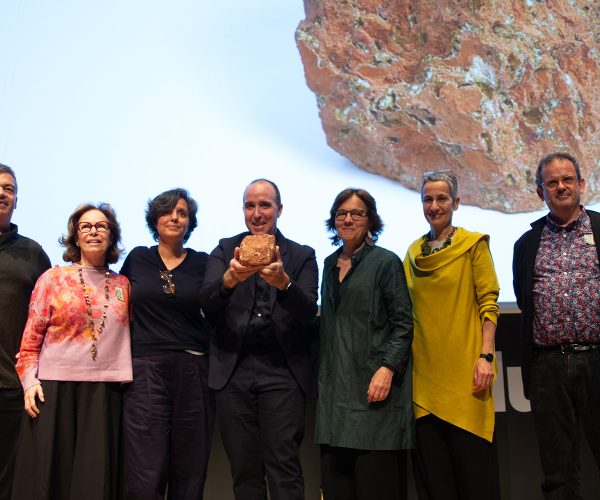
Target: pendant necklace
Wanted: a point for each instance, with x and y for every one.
(427, 250)
(95, 333)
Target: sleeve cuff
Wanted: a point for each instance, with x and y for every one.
(224, 293)
(387, 365)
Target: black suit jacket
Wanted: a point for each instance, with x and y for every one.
(293, 311)
(525, 252)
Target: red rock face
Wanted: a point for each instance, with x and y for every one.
(484, 87)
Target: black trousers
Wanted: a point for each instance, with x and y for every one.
(261, 416)
(565, 393)
(348, 474)
(71, 450)
(453, 464)
(11, 411)
(168, 420)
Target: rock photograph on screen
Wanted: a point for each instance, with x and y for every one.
(485, 88)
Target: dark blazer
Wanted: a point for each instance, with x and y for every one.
(525, 252)
(293, 311)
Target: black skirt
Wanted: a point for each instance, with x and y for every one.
(71, 450)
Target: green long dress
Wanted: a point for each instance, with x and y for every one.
(371, 327)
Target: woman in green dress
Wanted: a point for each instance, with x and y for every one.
(364, 411)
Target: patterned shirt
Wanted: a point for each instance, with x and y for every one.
(566, 285)
(57, 340)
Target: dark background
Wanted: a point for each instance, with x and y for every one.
(520, 471)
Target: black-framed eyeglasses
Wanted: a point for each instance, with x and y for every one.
(426, 175)
(86, 227)
(568, 181)
(356, 215)
(169, 285)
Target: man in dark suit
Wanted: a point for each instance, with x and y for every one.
(260, 362)
(557, 284)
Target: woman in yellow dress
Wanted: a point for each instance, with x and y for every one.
(454, 292)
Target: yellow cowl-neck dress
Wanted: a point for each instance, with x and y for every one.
(452, 292)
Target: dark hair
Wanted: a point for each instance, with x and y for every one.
(72, 252)
(277, 193)
(5, 169)
(164, 203)
(375, 222)
(546, 160)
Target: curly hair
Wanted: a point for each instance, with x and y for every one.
(164, 203)
(375, 223)
(72, 252)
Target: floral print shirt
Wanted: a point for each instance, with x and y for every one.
(58, 337)
(566, 285)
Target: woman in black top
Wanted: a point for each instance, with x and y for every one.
(168, 409)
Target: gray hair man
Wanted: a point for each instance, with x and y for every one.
(22, 261)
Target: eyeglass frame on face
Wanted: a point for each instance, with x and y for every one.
(99, 228)
(355, 214)
(169, 287)
(567, 181)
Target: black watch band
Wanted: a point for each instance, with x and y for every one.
(489, 357)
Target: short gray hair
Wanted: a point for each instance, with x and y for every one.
(5, 169)
(444, 175)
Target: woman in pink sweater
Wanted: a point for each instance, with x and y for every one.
(74, 355)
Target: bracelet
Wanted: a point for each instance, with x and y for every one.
(287, 287)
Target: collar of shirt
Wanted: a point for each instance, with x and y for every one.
(554, 227)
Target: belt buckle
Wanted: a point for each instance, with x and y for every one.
(580, 347)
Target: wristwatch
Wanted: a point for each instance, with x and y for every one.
(489, 357)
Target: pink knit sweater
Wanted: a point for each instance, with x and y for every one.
(57, 340)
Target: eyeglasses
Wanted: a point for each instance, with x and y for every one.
(169, 286)
(86, 227)
(356, 215)
(426, 175)
(568, 181)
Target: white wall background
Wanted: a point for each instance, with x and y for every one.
(119, 100)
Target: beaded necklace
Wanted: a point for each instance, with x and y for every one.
(95, 333)
(427, 250)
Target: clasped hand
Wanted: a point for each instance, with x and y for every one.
(274, 273)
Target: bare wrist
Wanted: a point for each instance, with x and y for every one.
(228, 280)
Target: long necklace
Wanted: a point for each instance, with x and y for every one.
(95, 333)
(427, 250)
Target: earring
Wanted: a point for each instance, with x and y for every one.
(369, 234)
